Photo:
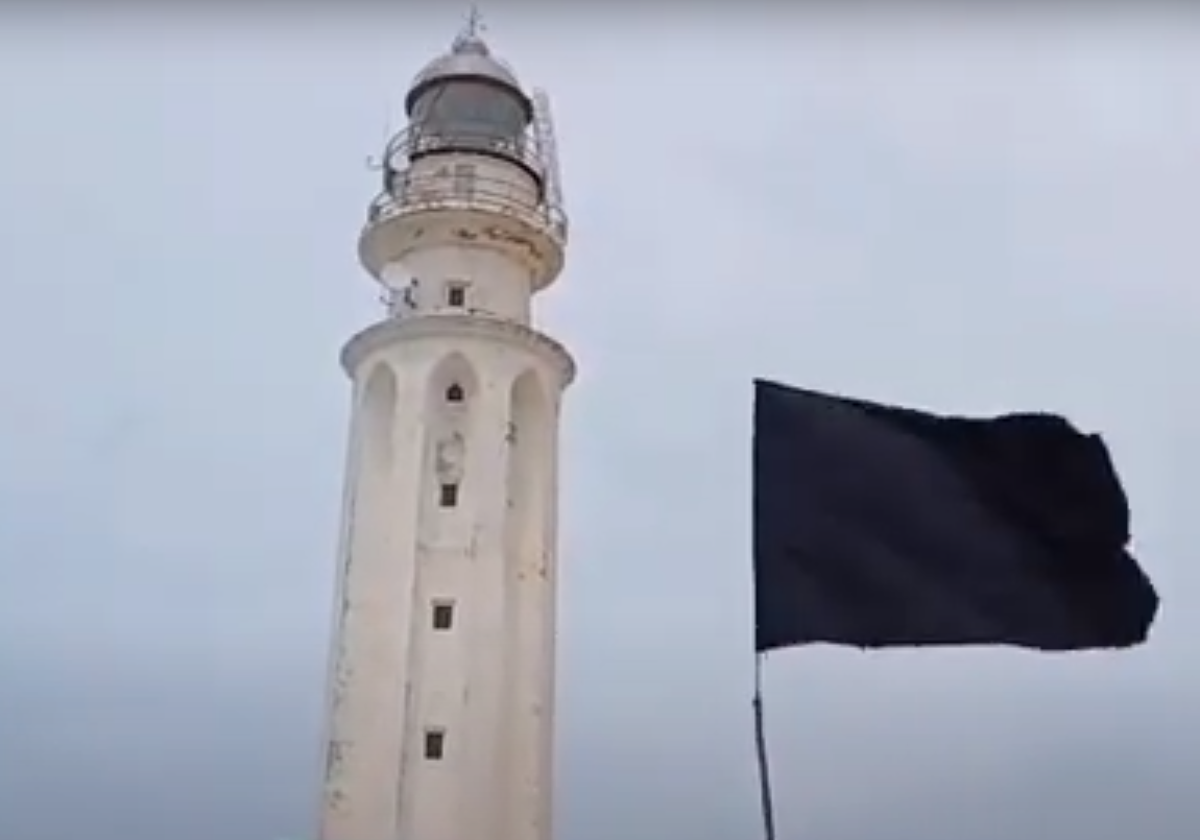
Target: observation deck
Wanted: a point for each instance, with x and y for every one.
(492, 187)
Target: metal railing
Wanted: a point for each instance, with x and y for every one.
(410, 191)
(420, 139)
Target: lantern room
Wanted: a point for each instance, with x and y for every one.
(469, 101)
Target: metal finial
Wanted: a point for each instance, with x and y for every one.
(473, 28)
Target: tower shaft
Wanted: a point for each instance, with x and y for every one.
(441, 699)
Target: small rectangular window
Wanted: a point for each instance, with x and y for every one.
(456, 295)
(443, 615)
(449, 495)
(435, 744)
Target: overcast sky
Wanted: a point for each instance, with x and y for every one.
(976, 215)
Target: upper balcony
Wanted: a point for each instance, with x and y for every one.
(507, 177)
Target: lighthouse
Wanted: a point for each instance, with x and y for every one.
(440, 711)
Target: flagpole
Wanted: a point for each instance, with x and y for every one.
(760, 740)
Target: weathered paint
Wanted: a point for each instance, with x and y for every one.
(487, 683)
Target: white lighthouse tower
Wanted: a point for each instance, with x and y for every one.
(441, 696)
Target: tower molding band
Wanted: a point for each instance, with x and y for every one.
(385, 334)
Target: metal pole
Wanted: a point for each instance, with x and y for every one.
(760, 739)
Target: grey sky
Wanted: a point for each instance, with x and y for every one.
(969, 216)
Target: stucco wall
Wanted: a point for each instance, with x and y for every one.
(488, 681)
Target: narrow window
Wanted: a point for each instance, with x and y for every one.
(443, 615)
(435, 744)
(455, 393)
(456, 295)
(449, 495)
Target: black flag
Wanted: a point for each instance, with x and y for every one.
(877, 526)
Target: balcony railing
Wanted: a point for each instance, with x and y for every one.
(418, 140)
(411, 191)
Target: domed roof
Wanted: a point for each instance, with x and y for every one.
(469, 57)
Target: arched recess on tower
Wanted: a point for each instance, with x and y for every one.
(453, 385)
(528, 433)
(451, 389)
(529, 442)
(529, 591)
(378, 418)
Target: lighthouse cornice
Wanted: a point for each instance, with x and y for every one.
(392, 331)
